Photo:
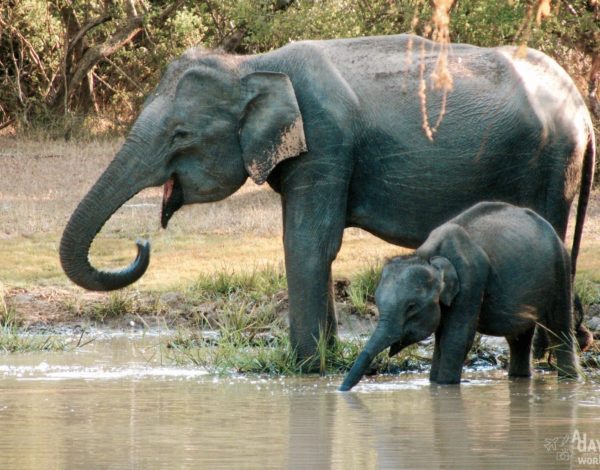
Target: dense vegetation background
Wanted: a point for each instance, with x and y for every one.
(80, 67)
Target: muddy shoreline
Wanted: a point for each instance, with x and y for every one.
(77, 318)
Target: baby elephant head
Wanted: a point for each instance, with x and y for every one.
(408, 298)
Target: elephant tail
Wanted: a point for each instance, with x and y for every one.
(587, 179)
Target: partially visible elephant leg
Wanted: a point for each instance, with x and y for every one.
(584, 337)
(540, 343)
(520, 354)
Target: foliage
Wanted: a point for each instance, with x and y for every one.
(64, 63)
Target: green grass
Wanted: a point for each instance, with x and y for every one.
(258, 283)
(246, 311)
(588, 291)
(362, 287)
(12, 340)
(271, 354)
(250, 331)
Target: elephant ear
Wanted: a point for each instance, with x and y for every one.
(450, 283)
(271, 128)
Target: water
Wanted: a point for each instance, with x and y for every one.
(112, 405)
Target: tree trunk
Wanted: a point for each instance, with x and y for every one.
(79, 60)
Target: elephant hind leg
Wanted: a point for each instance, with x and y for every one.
(520, 354)
(540, 343)
(562, 347)
(560, 324)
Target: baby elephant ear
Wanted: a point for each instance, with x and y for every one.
(450, 283)
(271, 128)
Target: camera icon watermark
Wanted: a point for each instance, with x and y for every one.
(577, 447)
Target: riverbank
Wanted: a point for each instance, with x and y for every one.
(218, 267)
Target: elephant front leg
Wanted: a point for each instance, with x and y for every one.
(454, 346)
(312, 310)
(314, 196)
(455, 336)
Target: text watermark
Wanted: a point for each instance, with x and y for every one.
(578, 447)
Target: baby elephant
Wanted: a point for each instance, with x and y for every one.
(495, 268)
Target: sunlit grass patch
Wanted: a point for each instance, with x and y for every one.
(258, 283)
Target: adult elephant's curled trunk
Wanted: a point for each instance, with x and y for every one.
(115, 187)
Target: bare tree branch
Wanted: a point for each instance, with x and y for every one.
(32, 53)
(95, 54)
(6, 123)
(133, 26)
(124, 74)
(86, 28)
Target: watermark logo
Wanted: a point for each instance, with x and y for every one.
(578, 447)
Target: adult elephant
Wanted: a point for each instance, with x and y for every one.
(336, 128)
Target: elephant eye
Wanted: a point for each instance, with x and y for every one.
(179, 135)
(411, 308)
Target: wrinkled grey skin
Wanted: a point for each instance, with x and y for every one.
(335, 127)
(497, 269)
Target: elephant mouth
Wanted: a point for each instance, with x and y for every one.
(172, 199)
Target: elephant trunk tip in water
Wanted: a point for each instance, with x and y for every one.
(356, 372)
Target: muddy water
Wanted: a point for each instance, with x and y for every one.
(113, 405)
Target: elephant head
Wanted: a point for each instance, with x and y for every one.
(200, 134)
(408, 298)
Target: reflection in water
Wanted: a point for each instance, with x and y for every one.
(108, 407)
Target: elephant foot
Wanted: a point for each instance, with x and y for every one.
(311, 360)
(572, 376)
(520, 370)
(446, 382)
(519, 375)
(312, 355)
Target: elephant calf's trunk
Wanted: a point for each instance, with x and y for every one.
(358, 370)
